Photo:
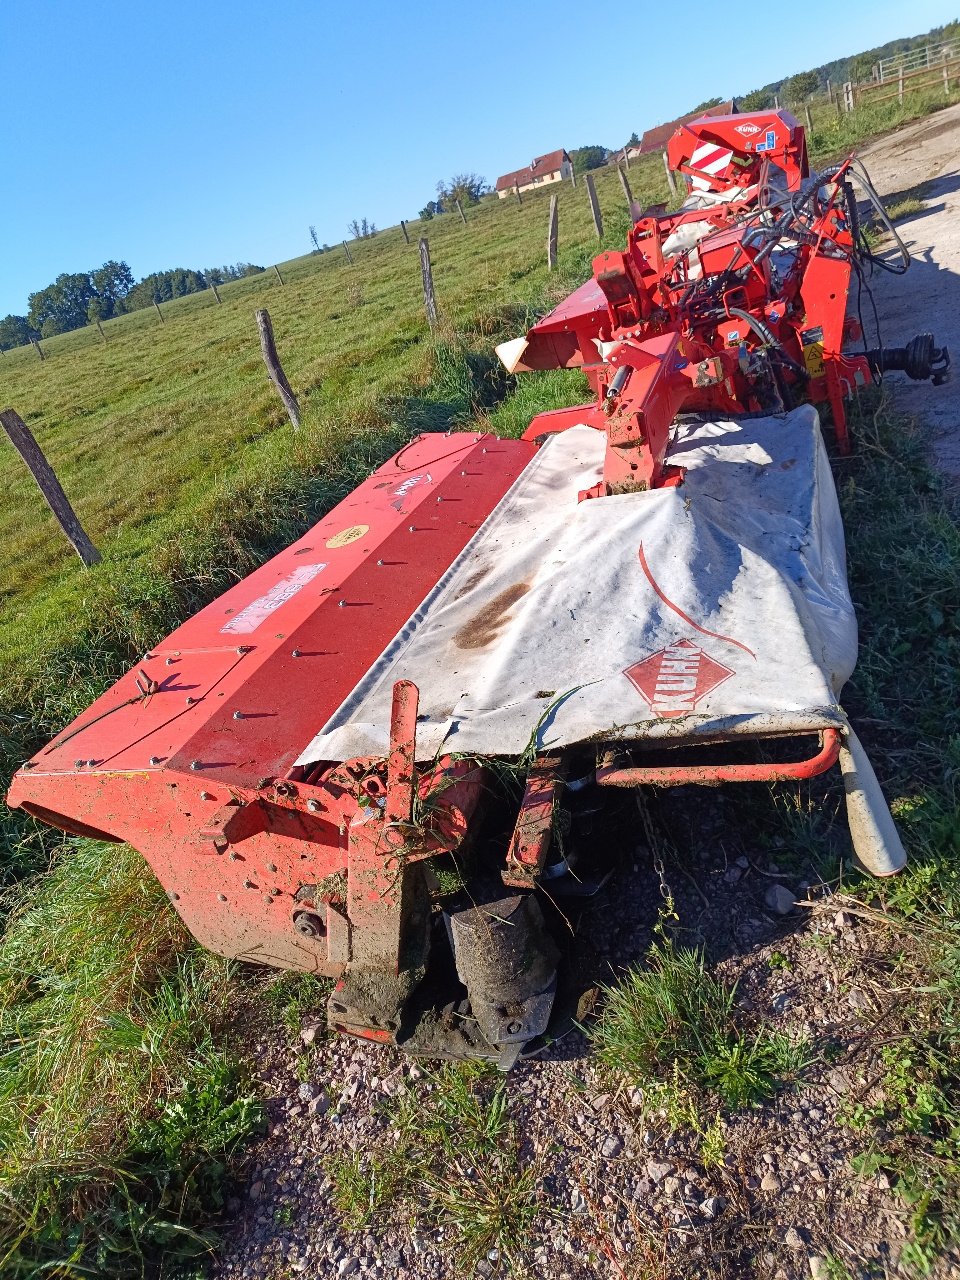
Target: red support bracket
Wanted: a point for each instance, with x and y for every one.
(533, 832)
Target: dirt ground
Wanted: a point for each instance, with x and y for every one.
(621, 1197)
(928, 296)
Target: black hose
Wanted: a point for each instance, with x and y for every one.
(769, 339)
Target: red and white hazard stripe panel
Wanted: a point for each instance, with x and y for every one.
(709, 158)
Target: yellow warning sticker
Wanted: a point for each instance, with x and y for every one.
(812, 359)
(811, 340)
(346, 536)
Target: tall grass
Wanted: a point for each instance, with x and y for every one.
(118, 1110)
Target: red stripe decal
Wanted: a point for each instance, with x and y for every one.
(677, 610)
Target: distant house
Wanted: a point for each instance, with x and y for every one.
(553, 167)
(656, 139)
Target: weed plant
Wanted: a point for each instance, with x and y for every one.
(674, 1030)
(454, 1163)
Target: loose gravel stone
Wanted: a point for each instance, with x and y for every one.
(712, 1206)
(657, 1170)
(611, 1147)
(780, 899)
(770, 1182)
(793, 1239)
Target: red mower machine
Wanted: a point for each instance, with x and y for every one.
(645, 591)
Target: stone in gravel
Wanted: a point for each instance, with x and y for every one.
(612, 1146)
(671, 1186)
(839, 1080)
(770, 1182)
(818, 1267)
(782, 1002)
(635, 1098)
(256, 1190)
(712, 1206)
(780, 899)
(600, 1102)
(310, 1031)
(320, 1105)
(347, 1266)
(793, 1239)
(307, 1092)
(657, 1170)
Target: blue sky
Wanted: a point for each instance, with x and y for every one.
(191, 134)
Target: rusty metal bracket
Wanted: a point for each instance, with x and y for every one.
(711, 775)
(533, 832)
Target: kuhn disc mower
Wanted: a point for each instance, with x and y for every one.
(645, 591)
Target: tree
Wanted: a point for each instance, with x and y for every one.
(584, 158)
(465, 187)
(801, 86)
(15, 331)
(633, 140)
(430, 210)
(362, 230)
(705, 106)
(112, 282)
(756, 100)
(61, 306)
(316, 242)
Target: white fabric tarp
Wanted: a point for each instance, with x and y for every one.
(716, 608)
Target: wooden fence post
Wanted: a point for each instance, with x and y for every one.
(573, 177)
(671, 180)
(21, 437)
(516, 191)
(403, 228)
(946, 81)
(429, 297)
(102, 334)
(463, 216)
(159, 312)
(900, 86)
(215, 293)
(274, 367)
(347, 252)
(808, 117)
(277, 270)
(552, 234)
(38, 348)
(626, 155)
(631, 203)
(594, 206)
(848, 96)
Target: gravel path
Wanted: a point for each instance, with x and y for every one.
(926, 151)
(619, 1197)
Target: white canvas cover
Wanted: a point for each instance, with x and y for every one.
(716, 608)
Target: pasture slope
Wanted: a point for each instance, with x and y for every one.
(136, 1070)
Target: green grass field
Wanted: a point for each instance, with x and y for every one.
(119, 1104)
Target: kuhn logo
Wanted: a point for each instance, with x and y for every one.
(674, 679)
(747, 130)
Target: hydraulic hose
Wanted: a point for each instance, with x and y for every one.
(769, 339)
